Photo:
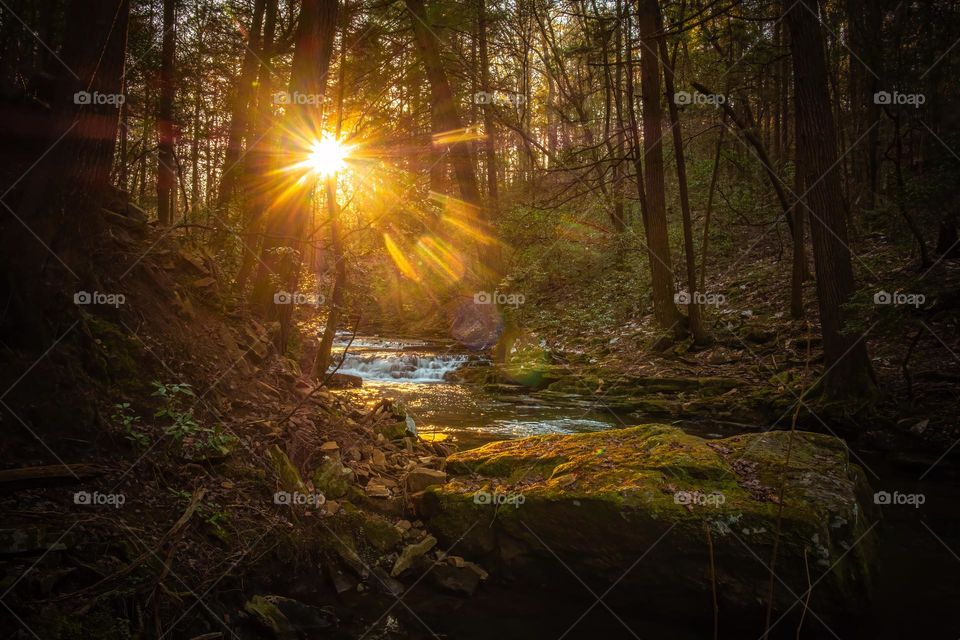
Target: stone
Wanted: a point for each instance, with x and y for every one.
(332, 478)
(376, 489)
(378, 458)
(330, 448)
(410, 553)
(461, 577)
(344, 381)
(331, 507)
(288, 619)
(420, 478)
(285, 471)
(600, 500)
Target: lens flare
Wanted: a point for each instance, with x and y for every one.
(327, 156)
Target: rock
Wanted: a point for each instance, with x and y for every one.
(392, 430)
(420, 478)
(344, 381)
(194, 261)
(288, 619)
(410, 553)
(403, 526)
(353, 453)
(331, 449)
(331, 507)
(376, 489)
(341, 580)
(286, 473)
(378, 458)
(601, 500)
(458, 576)
(332, 478)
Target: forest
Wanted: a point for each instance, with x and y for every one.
(460, 319)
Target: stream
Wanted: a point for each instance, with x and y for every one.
(413, 372)
(918, 546)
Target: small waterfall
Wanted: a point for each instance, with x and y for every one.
(401, 367)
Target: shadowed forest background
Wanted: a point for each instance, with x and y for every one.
(447, 319)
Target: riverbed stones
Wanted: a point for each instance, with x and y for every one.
(410, 553)
(376, 489)
(599, 501)
(332, 478)
(419, 478)
(289, 619)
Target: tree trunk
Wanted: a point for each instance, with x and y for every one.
(693, 307)
(448, 119)
(241, 106)
(490, 138)
(166, 172)
(57, 200)
(287, 213)
(849, 372)
(658, 241)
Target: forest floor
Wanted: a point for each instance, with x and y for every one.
(184, 426)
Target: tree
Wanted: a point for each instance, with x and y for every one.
(166, 171)
(693, 306)
(658, 242)
(57, 200)
(286, 215)
(849, 372)
(448, 117)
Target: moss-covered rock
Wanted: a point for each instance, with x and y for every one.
(332, 478)
(601, 500)
(288, 619)
(287, 474)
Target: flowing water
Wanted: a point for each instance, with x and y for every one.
(415, 373)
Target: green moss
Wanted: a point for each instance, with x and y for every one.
(286, 473)
(601, 491)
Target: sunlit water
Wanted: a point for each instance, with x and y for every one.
(414, 373)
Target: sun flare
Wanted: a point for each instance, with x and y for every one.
(327, 156)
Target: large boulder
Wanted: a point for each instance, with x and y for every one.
(538, 509)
